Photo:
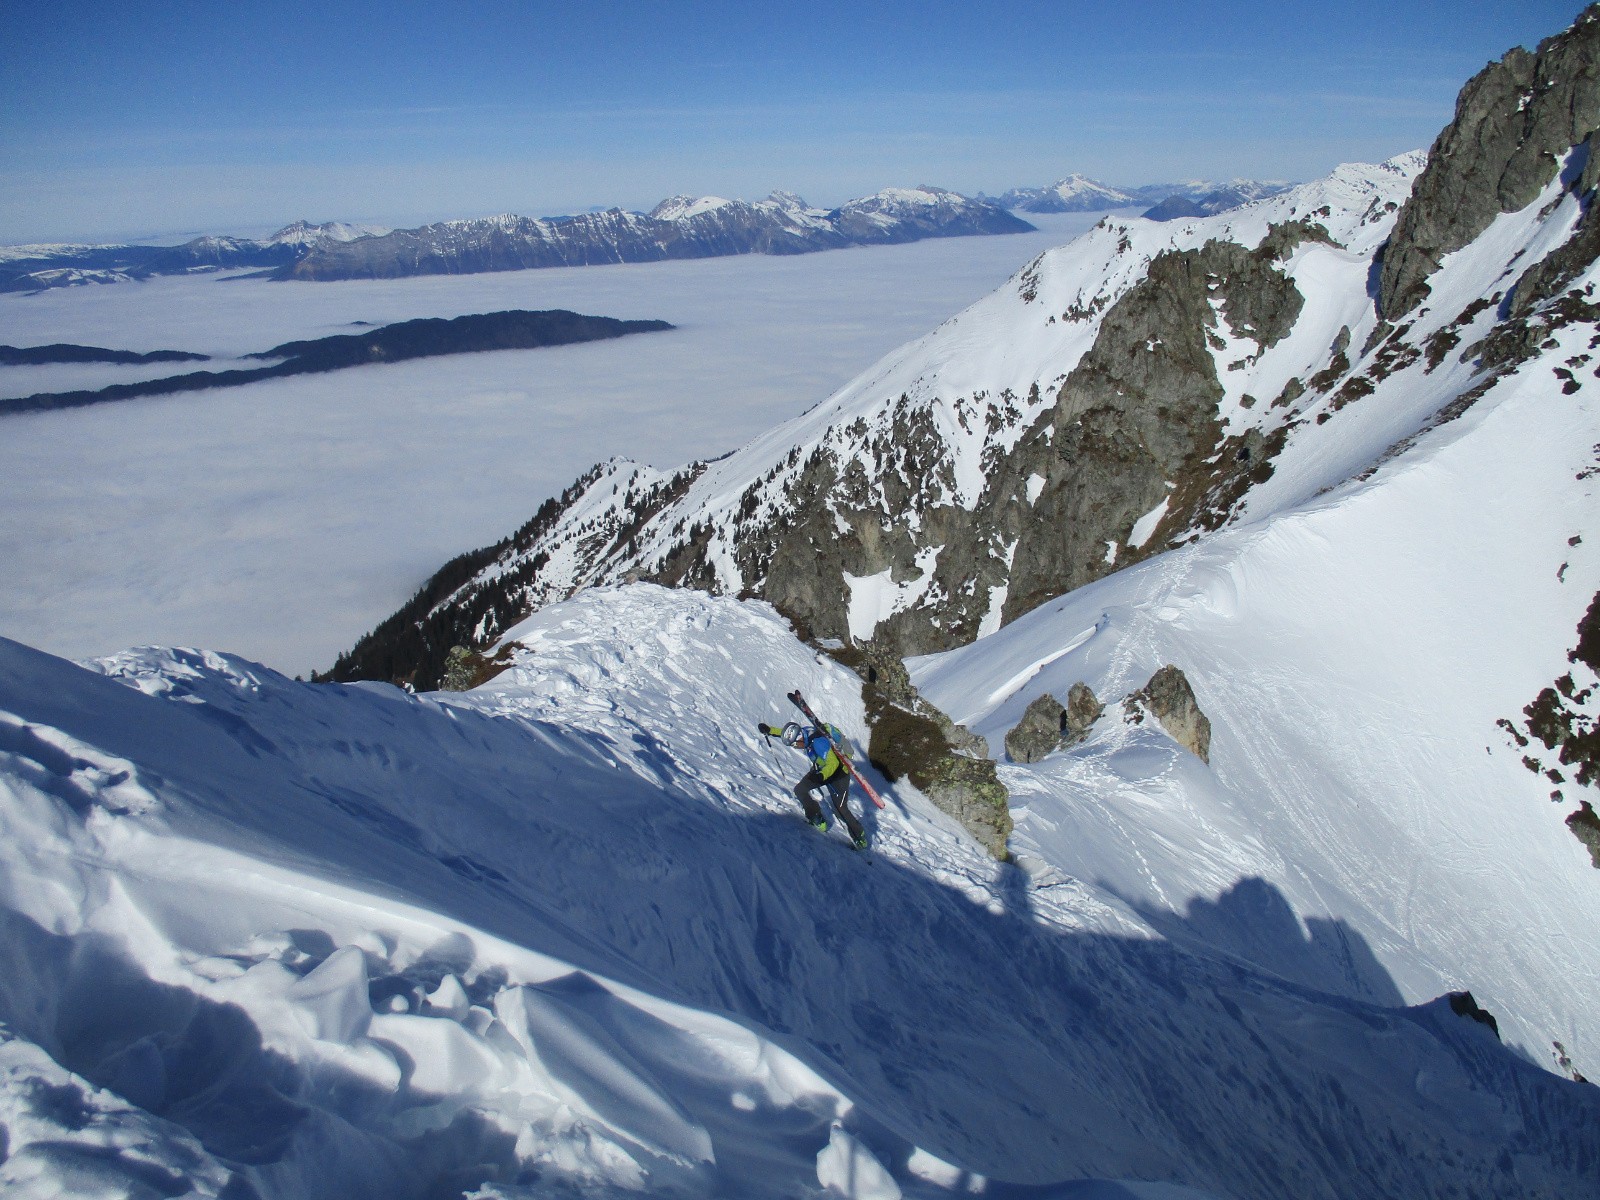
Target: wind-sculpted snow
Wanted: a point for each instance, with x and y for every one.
(567, 934)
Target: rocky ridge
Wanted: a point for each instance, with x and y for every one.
(678, 227)
(1517, 124)
(38, 268)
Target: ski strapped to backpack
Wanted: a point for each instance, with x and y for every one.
(799, 702)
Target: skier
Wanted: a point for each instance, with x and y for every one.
(826, 771)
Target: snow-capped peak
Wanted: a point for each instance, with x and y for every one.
(305, 233)
(684, 208)
(1075, 187)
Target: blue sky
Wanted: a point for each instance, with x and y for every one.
(120, 120)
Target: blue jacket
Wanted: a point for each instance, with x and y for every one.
(822, 752)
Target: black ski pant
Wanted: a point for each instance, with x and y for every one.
(838, 789)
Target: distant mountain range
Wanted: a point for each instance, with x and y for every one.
(1164, 201)
(37, 268)
(679, 227)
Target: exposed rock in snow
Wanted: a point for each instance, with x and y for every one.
(1171, 701)
(1083, 710)
(1039, 732)
(914, 740)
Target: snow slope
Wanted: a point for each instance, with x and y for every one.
(1400, 585)
(567, 935)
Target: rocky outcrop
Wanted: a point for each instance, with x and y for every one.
(1169, 698)
(1564, 718)
(1135, 424)
(969, 790)
(1515, 123)
(1585, 826)
(1464, 1004)
(912, 739)
(1039, 732)
(1047, 725)
(1083, 710)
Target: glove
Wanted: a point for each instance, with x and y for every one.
(767, 729)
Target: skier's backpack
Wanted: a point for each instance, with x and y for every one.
(841, 743)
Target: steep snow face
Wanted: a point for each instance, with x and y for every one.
(569, 932)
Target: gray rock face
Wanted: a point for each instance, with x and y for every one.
(1135, 422)
(1514, 123)
(1039, 732)
(969, 790)
(1171, 701)
(912, 738)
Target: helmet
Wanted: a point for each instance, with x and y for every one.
(793, 735)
